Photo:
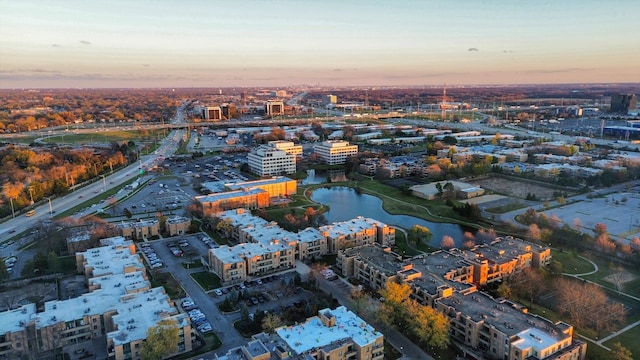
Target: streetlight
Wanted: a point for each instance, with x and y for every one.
(31, 194)
(50, 208)
(13, 212)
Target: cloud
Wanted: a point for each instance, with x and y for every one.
(473, 49)
(507, 51)
(146, 65)
(85, 42)
(557, 71)
(56, 45)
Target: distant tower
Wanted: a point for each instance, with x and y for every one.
(444, 101)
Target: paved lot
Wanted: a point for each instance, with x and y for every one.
(620, 212)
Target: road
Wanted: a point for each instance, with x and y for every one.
(44, 212)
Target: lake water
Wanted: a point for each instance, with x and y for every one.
(346, 204)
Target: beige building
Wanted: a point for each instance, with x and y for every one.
(335, 152)
(276, 186)
(329, 335)
(119, 308)
(253, 198)
(139, 230)
(177, 225)
(446, 280)
(357, 232)
(236, 264)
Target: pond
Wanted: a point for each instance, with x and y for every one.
(345, 204)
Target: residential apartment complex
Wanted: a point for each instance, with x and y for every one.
(448, 280)
(120, 307)
(332, 334)
(140, 229)
(335, 152)
(269, 160)
(264, 247)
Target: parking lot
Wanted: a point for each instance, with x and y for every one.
(170, 198)
(269, 293)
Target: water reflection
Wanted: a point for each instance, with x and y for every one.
(345, 204)
(313, 177)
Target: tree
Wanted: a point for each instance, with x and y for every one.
(469, 240)
(4, 274)
(162, 340)
(447, 242)
(587, 305)
(619, 352)
(271, 322)
(428, 324)
(534, 231)
(528, 283)
(419, 234)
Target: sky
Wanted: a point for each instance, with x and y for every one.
(246, 43)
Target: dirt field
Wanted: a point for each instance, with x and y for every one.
(518, 189)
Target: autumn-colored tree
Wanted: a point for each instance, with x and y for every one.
(534, 231)
(447, 242)
(469, 240)
(600, 229)
(162, 340)
(430, 326)
(619, 352)
(604, 243)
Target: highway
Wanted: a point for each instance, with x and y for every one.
(22, 223)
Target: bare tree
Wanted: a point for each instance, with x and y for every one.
(587, 305)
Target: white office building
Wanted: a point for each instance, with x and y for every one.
(335, 152)
(269, 161)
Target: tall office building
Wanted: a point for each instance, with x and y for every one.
(622, 103)
(335, 152)
(269, 160)
(211, 113)
(274, 108)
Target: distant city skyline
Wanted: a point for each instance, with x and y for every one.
(144, 43)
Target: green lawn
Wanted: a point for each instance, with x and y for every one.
(206, 280)
(606, 269)
(571, 263)
(101, 137)
(628, 339)
(506, 208)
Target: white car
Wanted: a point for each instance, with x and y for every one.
(218, 292)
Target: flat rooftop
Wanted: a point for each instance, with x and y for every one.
(315, 334)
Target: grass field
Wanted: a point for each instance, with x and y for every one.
(206, 280)
(628, 339)
(506, 208)
(571, 263)
(104, 137)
